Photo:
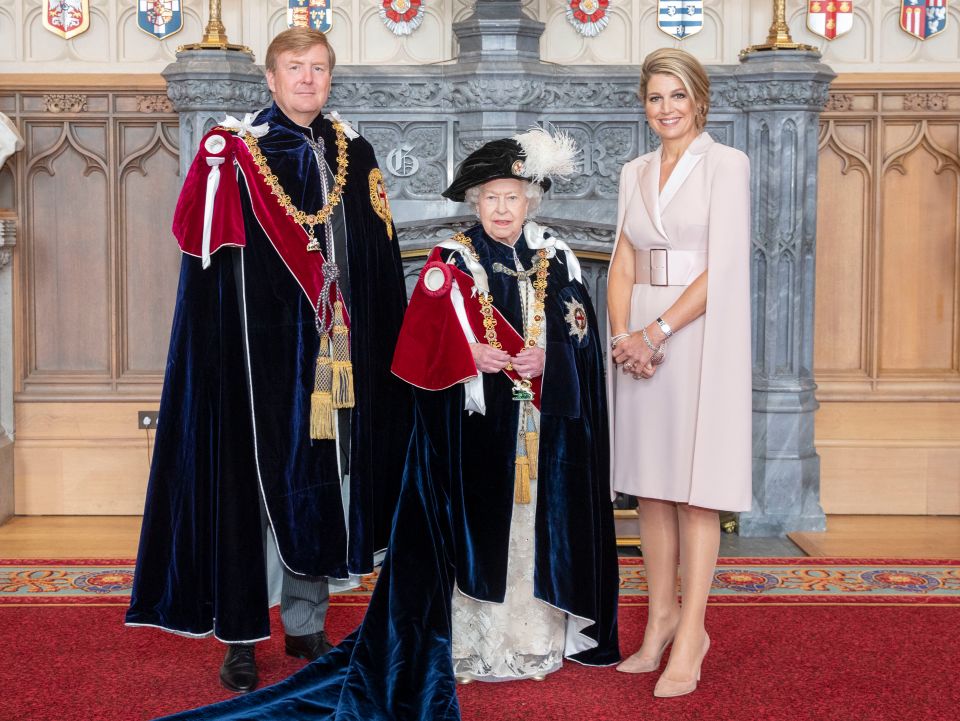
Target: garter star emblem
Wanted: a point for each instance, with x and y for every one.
(378, 200)
(576, 318)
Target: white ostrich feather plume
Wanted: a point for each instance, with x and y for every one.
(547, 155)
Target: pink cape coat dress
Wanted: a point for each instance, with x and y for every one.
(685, 434)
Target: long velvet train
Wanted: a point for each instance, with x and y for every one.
(397, 664)
(452, 524)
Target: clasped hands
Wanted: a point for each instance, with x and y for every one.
(634, 357)
(528, 363)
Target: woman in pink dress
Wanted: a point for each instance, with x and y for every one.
(681, 407)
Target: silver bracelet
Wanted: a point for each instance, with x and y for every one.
(617, 338)
(646, 339)
(665, 327)
(658, 354)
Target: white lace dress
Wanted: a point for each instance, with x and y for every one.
(519, 638)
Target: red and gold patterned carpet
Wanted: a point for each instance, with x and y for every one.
(793, 640)
(737, 580)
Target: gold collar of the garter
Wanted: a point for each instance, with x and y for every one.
(333, 374)
(333, 199)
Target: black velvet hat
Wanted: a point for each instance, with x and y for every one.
(497, 159)
(532, 156)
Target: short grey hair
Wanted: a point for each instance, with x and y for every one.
(533, 191)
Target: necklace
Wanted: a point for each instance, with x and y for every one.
(528, 443)
(332, 198)
(501, 268)
(534, 327)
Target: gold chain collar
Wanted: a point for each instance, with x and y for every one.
(486, 299)
(333, 199)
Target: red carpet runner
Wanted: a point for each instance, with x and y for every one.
(854, 659)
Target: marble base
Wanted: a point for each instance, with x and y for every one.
(6, 478)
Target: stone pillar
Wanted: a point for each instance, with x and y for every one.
(206, 84)
(498, 77)
(781, 94)
(8, 240)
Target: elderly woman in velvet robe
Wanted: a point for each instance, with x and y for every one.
(505, 510)
(502, 337)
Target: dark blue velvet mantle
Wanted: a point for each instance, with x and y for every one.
(200, 566)
(452, 524)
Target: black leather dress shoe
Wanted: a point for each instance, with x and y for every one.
(239, 670)
(311, 647)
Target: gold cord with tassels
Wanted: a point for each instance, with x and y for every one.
(342, 386)
(528, 457)
(333, 381)
(321, 400)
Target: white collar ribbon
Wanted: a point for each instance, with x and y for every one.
(246, 126)
(347, 128)
(537, 238)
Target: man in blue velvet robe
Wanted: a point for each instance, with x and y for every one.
(241, 482)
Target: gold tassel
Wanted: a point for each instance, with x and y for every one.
(521, 480)
(533, 453)
(342, 382)
(321, 416)
(321, 400)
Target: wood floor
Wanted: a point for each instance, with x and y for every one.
(70, 537)
(884, 537)
(847, 536)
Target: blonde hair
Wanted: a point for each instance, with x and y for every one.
(687, 69)
(297, 40)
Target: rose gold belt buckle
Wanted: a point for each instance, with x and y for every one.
(658, 267)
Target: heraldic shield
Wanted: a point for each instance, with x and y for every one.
(923, 18)
(160, 18)
(66, 18)
(680, 18)
(316, 14)
(830, 18)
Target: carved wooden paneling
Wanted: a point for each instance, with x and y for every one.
(844, 207)
(67, 248)
(150, 257)
(94, 190)
(888, 284)
(918, 252)
(889, 458)
(888, 247)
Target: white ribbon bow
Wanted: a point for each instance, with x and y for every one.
(245, 126)
(537, 238)
(347, 128)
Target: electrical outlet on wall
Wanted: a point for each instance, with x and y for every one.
(147, 420)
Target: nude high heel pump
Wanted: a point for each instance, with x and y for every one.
(648, 667)
(667, 688)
